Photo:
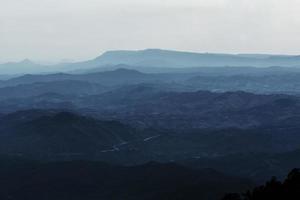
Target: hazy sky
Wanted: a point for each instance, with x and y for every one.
(82, 29)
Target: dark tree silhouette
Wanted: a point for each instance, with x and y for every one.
(232, 196)
(273, 189)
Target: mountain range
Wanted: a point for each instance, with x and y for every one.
(157, 58)
(150, 124)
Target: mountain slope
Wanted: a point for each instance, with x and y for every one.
(55, 134)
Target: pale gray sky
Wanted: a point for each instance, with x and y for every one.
(82, 29)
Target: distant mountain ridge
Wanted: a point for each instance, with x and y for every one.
(167, 58)
(21, 67)
(177, 59)
(117, 76)
(158, 58)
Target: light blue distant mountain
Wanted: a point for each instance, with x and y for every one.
(158, 58)
(166, 58)
(25, 66)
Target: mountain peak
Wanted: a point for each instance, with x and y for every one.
(127, 71)
(27, 61)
